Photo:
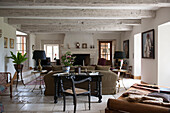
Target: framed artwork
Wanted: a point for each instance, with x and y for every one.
(84, 45)
(148, 44)
(126, 48)
(5, 42)
(11, 43)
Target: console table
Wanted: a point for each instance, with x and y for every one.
(95, 78)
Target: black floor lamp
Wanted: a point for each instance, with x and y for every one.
(39, 55)
(119, 55)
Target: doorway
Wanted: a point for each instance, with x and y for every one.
(105, 51)
(137, 55)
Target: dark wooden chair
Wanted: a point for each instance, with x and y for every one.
(73, 91)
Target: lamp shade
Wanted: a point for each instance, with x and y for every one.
(39, 54)
(119, 55)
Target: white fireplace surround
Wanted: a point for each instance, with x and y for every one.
(92, 53)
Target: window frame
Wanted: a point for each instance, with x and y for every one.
(52, 59)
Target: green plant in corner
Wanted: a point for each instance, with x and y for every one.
(19, 58)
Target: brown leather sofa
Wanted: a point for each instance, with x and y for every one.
(108, 80)
(122, 106)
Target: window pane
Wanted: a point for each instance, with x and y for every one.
(56, 52)
(108, 57)
(24, 40)
(49, 51)
(18, 40)
(18, 47)
(24, 46)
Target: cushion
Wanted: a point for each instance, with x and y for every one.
(2, 89)
(116, 104)
(106, 68)
(1, 108)
(3, 78)
(88, 67)
(165, 97)
(56, 68)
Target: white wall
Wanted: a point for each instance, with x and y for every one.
(130, 36)
(72, 38)
(137, 54)
(9, 32)
(48, 38)
(149, 69)
(164, 55)
(31, 39)
(91, 39)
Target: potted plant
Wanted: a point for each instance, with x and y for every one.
(18, 60)
(67, 59)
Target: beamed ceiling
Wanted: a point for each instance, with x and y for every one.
(59, 16)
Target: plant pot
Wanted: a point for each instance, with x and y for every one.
(66, 69)
(18, 67)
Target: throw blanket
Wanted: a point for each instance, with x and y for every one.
(141, 97)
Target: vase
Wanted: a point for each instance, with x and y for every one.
(66, 69)
(18, 67)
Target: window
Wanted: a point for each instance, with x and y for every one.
(52, 51)
(21, 44)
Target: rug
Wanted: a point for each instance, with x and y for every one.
(36, 82)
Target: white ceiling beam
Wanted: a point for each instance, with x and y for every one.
(76, 14)
(84, 3)
(66, 28)
(73, 22)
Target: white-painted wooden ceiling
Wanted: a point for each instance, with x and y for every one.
(55, 16)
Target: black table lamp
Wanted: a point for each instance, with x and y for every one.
(39, 55)
(120, 55)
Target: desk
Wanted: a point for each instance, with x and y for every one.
(95, 78)
(118, 71)
(41, 74)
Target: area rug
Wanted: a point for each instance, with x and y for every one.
(36, 82)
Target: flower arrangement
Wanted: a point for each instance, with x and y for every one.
(67, 59)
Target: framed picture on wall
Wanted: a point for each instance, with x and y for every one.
(84, 45)
(5, 42)
(126, 48)
(148, 44)
(11, 43)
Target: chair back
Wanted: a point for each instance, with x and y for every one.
(102, 61)
(69, 82)
(4, 82)
(4, 78)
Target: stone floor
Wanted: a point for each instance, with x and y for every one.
(26, 101)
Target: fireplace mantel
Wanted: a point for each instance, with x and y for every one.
(79, 51)
(92, 52)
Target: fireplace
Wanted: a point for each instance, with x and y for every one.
(80, 58)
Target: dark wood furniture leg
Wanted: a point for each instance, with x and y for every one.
(22, 78)
(100, 91)
(55, 90)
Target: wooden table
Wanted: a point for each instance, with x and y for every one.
(118, 71)
(95, 78)
(41, 74)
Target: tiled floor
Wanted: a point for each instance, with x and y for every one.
(26, 101)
